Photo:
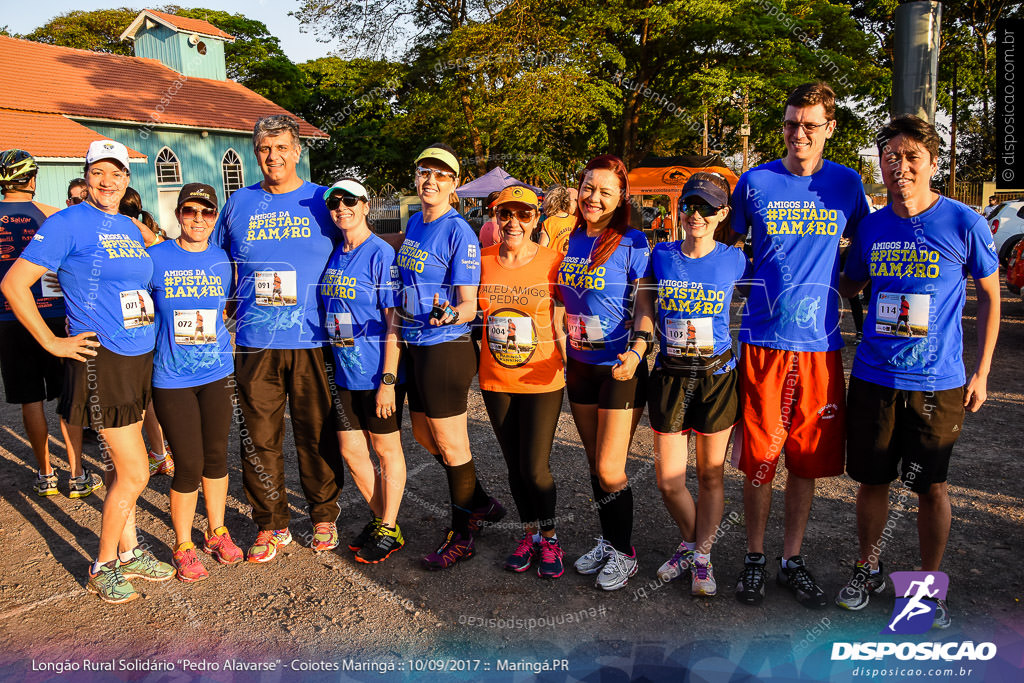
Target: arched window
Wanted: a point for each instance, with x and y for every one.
(231, 168)
(168, 168)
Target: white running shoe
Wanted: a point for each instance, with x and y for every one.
(595, 559)
(703, 580)
(677, 565)
(616, 571)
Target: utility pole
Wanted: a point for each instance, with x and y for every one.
(745, 128)
(704, 141)
(952, 143)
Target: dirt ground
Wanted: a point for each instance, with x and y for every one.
(326, 617)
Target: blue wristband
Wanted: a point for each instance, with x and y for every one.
(638, 356)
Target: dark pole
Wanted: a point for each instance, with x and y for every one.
(952, 142)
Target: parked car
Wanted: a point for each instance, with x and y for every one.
(476, 217)
(1007, 226)
(1015, 269)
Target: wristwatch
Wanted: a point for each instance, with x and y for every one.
(388, 378)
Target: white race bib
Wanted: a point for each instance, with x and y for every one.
(585, 333)
(689, 337)
(339, 329)
(194, 326)
(902, 314)
(275, 288)
(136, 308)
(510, 338)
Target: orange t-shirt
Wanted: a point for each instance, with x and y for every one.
(558, 230)
(519, 354)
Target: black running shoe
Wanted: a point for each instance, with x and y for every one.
(800, 581)
(379, 548)
(485, 516)
(750, 585)
(365, 535)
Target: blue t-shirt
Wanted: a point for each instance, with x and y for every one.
(190, 288)
(918, 267)
(356, 289)
(104, 270)
(19, 222)
(436, 258)
(796, 223)
(280, 244)
(598, 302)
(693, 302)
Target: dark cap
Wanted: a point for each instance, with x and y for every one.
(706, 190)
(198, 192)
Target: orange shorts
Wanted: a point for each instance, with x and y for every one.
(792, 400)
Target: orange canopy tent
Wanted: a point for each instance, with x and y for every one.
(667, 175)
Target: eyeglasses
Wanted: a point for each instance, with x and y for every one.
(705, 210)
(188, 213)
(809, 128)
(336, 200)
(524, 215)
(76, 199)
(425, 173)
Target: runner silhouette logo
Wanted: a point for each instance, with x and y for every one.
(916, 593)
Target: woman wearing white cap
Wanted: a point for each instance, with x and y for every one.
(192, 383)
(521, 371)
(693, 387)
(103, 269)
(439, 264)
(359, 290)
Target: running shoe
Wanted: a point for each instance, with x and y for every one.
(799, 580)
(187, 564)
(856, 593)
(594, 560)
(365, 535)
(264, 549)
(220, 545)
(521, 558)
(677, 565)
(485, 516)
(454, 548)
(46, 485)
(145, 566)
(703, 581)
(750, 584)
(617, 570)
(80, 487)
(325, 537)
(110, 584)
(158, 465)
(551, 564)
(380, 547)
(942, 619)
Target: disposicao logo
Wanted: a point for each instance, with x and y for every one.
(914, 612)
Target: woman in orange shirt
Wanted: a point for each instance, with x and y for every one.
(521, 374)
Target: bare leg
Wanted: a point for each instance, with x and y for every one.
(127, 451)
(872, 511)
(933, 522)
(421, 431)
(34, 417)
(73, 442)
(154, 433)
(452, 438)
(799, 494)
(710, 486)
(215, 495)
(183, 513)
(390, 480)
(356, 452)
(670, 452)
(757, 504)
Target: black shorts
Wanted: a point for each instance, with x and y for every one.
(356, 411)
(106, 391)
(679, 402)
(438, 377)
(30, 373)
(588, 384)
(915, 430)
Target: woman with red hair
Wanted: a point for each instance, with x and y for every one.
(604, 282)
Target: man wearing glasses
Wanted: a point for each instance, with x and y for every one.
(279, 235)
(792, 387)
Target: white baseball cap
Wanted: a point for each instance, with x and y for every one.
(350, 186)
(107, 149)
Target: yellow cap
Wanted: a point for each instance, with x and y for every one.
(438, 154)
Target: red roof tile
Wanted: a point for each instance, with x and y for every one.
(191, 25)
(80, 83)
(49, 135)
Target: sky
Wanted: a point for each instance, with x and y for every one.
(23, 17)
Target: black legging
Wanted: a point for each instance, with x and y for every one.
(525, 427)
(196, 422)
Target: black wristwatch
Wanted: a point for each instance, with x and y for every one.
(388, 378)
(642, 334)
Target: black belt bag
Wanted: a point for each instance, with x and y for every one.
(696, 367)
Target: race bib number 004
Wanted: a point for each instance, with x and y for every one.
(511, 338)
(136, 308)
(275, 288)
(902, 314)
(195, 326)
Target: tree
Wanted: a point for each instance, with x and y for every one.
(99, 30)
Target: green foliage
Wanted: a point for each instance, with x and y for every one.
(98, 30)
